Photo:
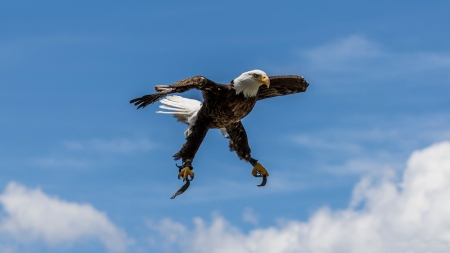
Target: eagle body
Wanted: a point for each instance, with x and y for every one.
(223, 107)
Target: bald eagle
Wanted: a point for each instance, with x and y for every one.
(223, 107)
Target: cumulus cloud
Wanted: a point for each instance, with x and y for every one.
(250, 216)
(31, 215)
(380, 143)
(384, 215)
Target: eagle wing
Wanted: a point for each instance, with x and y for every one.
(196, 82)
(283, 85)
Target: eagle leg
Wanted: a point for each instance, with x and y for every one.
(185, 171)
(259, 171)
(239, 144)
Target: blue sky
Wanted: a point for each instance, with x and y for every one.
(82, 170)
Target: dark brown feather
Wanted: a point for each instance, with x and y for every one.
(194, 140)
(239, 141)
(197, 82)
(283, 85)
(222, 108)
(147, 99)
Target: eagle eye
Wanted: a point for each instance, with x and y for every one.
(255, 75)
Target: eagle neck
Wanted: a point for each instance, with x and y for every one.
(247, 87)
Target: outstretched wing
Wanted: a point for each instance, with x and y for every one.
(283, 85)
(196, 82)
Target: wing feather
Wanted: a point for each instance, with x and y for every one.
(196, 82)
(283, 85)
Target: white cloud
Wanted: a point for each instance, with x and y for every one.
(344, 55)
(321, 143)
(382, 142)
(172, 231)
(31, 215)
(356, 52)
(91, 153)
(250, 216)
(358, 60)
(118, 146)
(383, 216)
(64, 162)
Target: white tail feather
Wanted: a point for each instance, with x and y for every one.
(172, 108)
(184, 110)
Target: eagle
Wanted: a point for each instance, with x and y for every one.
(223, 107)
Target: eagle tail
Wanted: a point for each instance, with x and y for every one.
(180, 106)
(183, 109)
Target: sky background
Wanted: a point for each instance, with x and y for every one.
(358, 163)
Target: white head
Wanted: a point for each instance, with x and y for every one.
(248, 82)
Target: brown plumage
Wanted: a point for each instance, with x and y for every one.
(223, 107)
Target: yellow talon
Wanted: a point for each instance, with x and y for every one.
(258, 168)
(185, 172)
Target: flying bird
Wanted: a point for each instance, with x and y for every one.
(223, 107)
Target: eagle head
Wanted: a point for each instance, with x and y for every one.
(248, 82)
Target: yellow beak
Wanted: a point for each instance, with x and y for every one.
(265, 80)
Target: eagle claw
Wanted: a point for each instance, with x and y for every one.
(185, 171)
(260, 171)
